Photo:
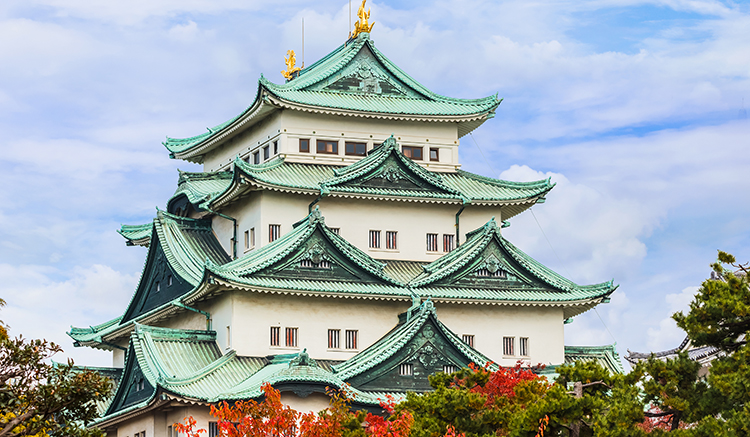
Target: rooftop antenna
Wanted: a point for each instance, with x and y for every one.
(350, 20)
(303, 42)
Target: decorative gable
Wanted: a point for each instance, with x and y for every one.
(159, 283)
(317, 258)
(134, 387)
(387, 171)
(365, 75)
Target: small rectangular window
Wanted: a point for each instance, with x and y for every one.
(275, 148)
(450, 368)
(274, 232)
(158, 286)
(375, 239)
(229, 337)
(336, 231)
(252, 238)
(275, 334)
(412, 152)
(169, 281)
(256, 158)
(468, 339)
(247, 239)
(169, 431)
(333, 338)
(523, 346)
(213, 429)
(357, 149)
(405, 369)
(351, 339)
(304, 145)
(434, 154)
(266, 153)
(328, 146)
(432, 245)
(447, 242)
(291, 337)
(391, 240)
(508, 343)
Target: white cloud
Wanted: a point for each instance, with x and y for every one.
(42, 302)
(667, 335)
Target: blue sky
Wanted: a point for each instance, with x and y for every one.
(634, 108)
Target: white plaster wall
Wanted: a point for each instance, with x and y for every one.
(474, 217)
(412, 221)
(543, 326)
(311, 404)
(245, 143)
(255, 313)
(144, 422)
(186, 319)
(288, 126)
(118, 358)
(201, 414)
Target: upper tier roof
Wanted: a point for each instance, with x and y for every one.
(356, 79)
(385, 173)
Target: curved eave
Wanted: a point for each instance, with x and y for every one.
(244, 182)
(469, 122)
(257, 111)
(571, 308)
(215, 284)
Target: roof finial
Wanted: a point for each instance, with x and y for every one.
(290, 61)
(362, 25)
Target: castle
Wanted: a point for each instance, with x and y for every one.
(331, 240)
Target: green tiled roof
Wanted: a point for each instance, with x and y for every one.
(201, 188)
(187, 244)
(356, 78)
(559, 288)
(606, 356)
(241, 270)
(188, 364)
(395, 340)
(384, 161)
(137, 235)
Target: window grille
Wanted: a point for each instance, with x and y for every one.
(327, 146)
(450, 368)
(275, 147)
(358, 149)
(213, 429)
(252, 238)
(432, 245)
(291, 337)
(266, 153)
(406, 369)
(169, 281)
(274, 232)
(169, 431)
(487, 274)
(448, 242)
(434, 154)
(351, 339)
(334, 336)
(323, 264)
(275, 334)
(523, 346)
(336, 231)
(391, 240)
(508, 343)
(375, 239)
(468, 339)
(247, 239)
(412, 152)
(229, 337)
(158, 286)
(304, 145)
(256, 158)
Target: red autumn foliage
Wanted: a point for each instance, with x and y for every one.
(500, 383)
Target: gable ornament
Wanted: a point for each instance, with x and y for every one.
(362, 25)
